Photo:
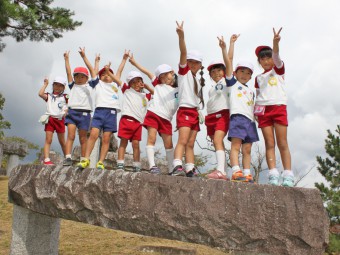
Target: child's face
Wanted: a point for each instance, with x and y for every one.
(217, 74)
(243, 75)
(167, 78)
(80, 78)
(194, 65)
(58, 88)
(137, 84)
(105, 77)
(267, 63)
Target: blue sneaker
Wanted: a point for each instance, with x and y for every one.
(120, 166)
(155, 170)
(288, 181)
(274, 180)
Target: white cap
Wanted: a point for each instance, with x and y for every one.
(133, 74)
(60, 79)
(214, 63)
(195, 55)
(164, 68)
(245, 64)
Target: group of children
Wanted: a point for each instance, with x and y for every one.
(232, 109)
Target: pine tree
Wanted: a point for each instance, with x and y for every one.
(3, 123)
(35, 20)
(329, 167)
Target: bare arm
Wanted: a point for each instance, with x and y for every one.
(42, 89)
(87, 62)
(96, 64)
(233, 39)
(182, 45)
(276, 40)
(122, 64)
(140, 67)
(114, 77)
(227, 62)
(149, 88)
(68, 67)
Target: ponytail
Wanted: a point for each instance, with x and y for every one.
(202, 83)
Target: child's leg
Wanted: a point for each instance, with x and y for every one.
(47, 145)
(269, 139)
(71, 134)
(91, 141)
(61, 139)
(183, 138)
(105, 145)
(136, 150)
(169, 150)
(246, 157)
(150, 151)
(189, 148)
(219, 148)
(282, 144)
(82, 141)
(122, 147)
(234, 152)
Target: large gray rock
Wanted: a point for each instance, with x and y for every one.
(15, 148)
(249, 218)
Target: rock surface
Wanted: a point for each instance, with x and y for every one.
(246, 218)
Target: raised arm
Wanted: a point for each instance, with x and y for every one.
(87, 62)
(233, 39)
(68, 67)
(149, 88)
(141, 68)
(114, 77)
(42, 89)
(276, 57)
(227, 62)
(182, 45)
(122, 64)
(96, 64)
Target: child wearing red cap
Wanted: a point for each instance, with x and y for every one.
(107, 106)
(79, 104)
(217, 120)
(160, 111)
(271, 109)
(56, 109)
(190, 97)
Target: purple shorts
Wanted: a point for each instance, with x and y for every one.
(242, 127)
(79, 118)
(105, 119)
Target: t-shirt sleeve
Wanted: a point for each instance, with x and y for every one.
(148, 96)
(155, 81)
(94, 82)
(183, 70)
(70, 85)
(230, 81)
(256, 83)
(280, 71)
(125, 87)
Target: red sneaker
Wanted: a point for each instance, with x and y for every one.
(217, 175)
(48, 163)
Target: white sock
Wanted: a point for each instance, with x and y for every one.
(82, 158)
(120, 161)
(177, 162)
(287, 173)
(274, 172)
(246, 172)
(136, 164)
(189, 167)
(68, 156)
(47, 159)
(170, 158)
(235, 168)
(150, 152)
(220, 157)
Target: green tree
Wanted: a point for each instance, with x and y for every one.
(35, 20)
(329, 167)
(3, 123)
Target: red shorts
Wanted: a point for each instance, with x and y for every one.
(187, 117)
(217, 121)
(130, 128)
(55, 124)
(162, 125)
(273, 114)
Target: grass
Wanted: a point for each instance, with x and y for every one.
(79, 238)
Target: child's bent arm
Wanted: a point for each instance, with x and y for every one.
(42, 90)
(68, 67)
(122, 64)
(87, 63)
(182, 45)
(151, 90)
(141, 68)
(96, 64)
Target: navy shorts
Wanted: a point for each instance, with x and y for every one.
(80, 118)
(242, 127)
(105, 119)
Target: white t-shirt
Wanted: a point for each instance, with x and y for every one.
(106, 95)
(186, 88)
(56, 105)
(270, 87)
(134, 103)
(81, 95)
(164, 101)
(241, 99)
(218, 97)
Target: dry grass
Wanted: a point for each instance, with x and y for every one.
(79, 238)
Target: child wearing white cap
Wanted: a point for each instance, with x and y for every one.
(134, 107)
(104, 119)
(271, 105)
(242, 129)
(190, 98)
(217, 120)
(56, 109)
(79, 104)
(162, 108)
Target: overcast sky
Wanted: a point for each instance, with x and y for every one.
(309, 46)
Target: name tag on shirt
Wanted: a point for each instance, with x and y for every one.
(85, 113)
(259, 110)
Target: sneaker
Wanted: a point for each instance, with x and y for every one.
(48, 163)
(135, 169)
(178, 171)
(217, 175)
(120, 166)
(191, 173)
(83, 163)
(67, 162)
(238, 177)
(273, 180)
(249, 178)
(100, 166)
(288, 181)
(155, 170)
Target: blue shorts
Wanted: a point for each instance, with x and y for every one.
(242, 127)
(105, 119)
(80, 118)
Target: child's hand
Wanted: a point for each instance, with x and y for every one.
(66, 55)
(45, 81)
(277, 36)
(126, 54)
(221, 42)
(97, 59)
(82, 52)
(132, 60)
(179, 29)
(107, 67)
(234, 38)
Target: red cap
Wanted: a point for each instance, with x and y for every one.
(103, 70)
(263, 47)
(82, 70)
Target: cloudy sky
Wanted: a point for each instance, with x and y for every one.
(309, 47)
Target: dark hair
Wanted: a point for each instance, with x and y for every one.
(220, 66)
(264, 53)
(202, 83)
(175, 84)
